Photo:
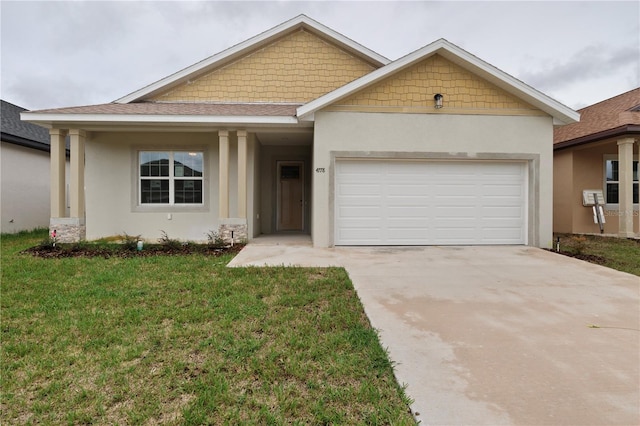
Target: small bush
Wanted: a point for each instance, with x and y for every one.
(214, 239)
(169, 242)
(579, 243)
(130, 242)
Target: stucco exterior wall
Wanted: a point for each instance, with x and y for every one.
(25, 185)
(563, 193)
(587, 173)
(111, 186)
(443, 136)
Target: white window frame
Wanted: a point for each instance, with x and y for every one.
(614, 157)
(136, 194)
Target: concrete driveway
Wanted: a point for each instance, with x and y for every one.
(494, 335)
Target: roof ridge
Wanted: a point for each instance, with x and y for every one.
(611, 99)
(12, 104)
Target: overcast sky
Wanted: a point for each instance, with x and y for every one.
(56, 54)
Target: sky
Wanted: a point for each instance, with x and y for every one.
(57, 54)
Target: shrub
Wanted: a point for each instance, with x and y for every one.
(169, 242)
(214, 239)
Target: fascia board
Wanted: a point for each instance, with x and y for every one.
(558, 111)
(156, 119)
(345, 42)
(240, 49)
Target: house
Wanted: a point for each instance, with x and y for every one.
(302, 130)
(25, 177)
(599, 153)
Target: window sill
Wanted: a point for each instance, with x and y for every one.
(164, 208)
(616, 207)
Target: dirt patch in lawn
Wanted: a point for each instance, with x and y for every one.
(592, 258)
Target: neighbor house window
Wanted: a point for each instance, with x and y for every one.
(612, 181)
(171, 177)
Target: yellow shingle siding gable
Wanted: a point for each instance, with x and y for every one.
(297, 68)
(412, 90)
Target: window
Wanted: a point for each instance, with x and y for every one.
(612, 181)
(171, 177)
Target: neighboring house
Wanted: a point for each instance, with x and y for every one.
(25, 177)
(301, 129)
(599, 153)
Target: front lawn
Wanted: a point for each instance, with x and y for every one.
(617, 253)
(185, 340)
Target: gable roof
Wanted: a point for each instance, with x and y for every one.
(241, 49)
(609, 118)
(136, 109)
(561, 113)
(19, 132)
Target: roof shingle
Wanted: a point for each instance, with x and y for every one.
(171, 108)
(618, 112)
(13, 126)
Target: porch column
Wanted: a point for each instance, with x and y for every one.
(223, 180)
(58, 162)
(637, 214)
(76, 181)
(625, 187)
(242, 173)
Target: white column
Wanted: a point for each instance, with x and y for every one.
(625, 187)
(223, 180)
(58, 182)
(242, 173)
(637, 213)
(76, 180)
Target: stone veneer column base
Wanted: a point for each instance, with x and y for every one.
(237, 226)
(68, 229)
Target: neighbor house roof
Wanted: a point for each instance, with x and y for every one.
(20, 132)
(561, 113)
(610, 118)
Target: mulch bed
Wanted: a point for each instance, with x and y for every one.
(87, 250)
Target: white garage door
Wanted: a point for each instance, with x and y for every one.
(399, 202)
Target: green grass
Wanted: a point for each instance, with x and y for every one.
(616, 253)
(185, 340)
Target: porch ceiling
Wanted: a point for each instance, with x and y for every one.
(288, 138)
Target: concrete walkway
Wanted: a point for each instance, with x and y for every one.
(494, 335)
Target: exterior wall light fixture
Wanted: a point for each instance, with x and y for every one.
(438, 100)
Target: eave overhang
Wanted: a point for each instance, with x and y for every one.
(100, 121)
(628, 129)
(28, 143)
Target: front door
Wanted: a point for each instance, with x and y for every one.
(290, 196)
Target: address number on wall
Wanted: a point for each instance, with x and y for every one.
(320, 170)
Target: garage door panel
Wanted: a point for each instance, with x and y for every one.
(361, 190)
(502, 212)
(408, 190)
(361, 212)
(429, 202)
